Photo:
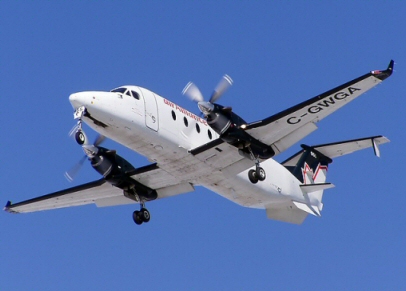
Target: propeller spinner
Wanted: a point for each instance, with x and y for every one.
(207, 107)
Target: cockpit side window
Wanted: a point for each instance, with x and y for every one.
(128, 93)
(135, 95)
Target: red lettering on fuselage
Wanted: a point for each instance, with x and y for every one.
(185, 112)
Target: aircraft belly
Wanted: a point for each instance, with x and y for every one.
(169, 148)
(279, 187)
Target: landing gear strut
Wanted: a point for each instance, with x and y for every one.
(80, 137)
(259, 173)
(142, 215)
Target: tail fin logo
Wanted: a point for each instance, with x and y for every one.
(309, 174)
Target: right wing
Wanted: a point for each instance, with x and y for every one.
(102, 193)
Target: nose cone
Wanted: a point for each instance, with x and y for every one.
(79, 99)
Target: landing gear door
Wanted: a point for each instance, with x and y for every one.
(151, 110)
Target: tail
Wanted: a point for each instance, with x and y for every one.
(310, 167)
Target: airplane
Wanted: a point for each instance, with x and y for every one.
(218, 150)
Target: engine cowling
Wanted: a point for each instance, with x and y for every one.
(105, 163)
(117, 171)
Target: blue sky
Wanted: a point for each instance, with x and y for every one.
(278, 53)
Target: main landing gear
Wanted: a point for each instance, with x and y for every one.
(256, 175)
(142, 215)
(259, 173)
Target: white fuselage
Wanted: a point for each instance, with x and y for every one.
(165, 133)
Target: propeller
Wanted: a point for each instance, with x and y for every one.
(206, 107)
(90, 149)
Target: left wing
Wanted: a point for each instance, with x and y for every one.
(284, 129)
(104, 194)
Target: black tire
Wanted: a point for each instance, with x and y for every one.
(252, 175)
(260, 172)
(137, 217)
(80, 137)
(144, 213)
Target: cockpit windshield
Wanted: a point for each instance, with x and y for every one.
(119, 90)
(123, 90)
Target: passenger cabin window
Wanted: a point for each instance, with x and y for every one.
(209, 134)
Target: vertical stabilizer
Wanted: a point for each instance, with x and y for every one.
(311, 169)
(311, 166)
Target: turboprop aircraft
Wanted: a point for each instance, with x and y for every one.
(219, 151)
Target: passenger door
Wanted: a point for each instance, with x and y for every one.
(151, 109)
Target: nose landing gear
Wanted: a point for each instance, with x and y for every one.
(80, 137)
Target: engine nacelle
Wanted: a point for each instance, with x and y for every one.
(230, 128)
(107, 163)
(116, 170)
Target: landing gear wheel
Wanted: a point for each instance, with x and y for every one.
(144, 213)
(261, 174)
(80, 137)
(252, 175)
(137, 217)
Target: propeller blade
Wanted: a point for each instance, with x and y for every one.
(99, 139)
(71, 174)
(193, 92)
(221, 87)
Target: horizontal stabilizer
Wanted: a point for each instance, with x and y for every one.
(309, 188)
(286, 212)
(338, 149)
(308, 208)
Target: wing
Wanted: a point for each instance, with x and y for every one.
(284, 129)
(102, 193)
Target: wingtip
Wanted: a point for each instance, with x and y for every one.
(382, 75)
(391, 65)
(7, 207)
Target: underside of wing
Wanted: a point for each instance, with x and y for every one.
(291, 125)
(102, 193)
(223, 157)
(75, 196)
